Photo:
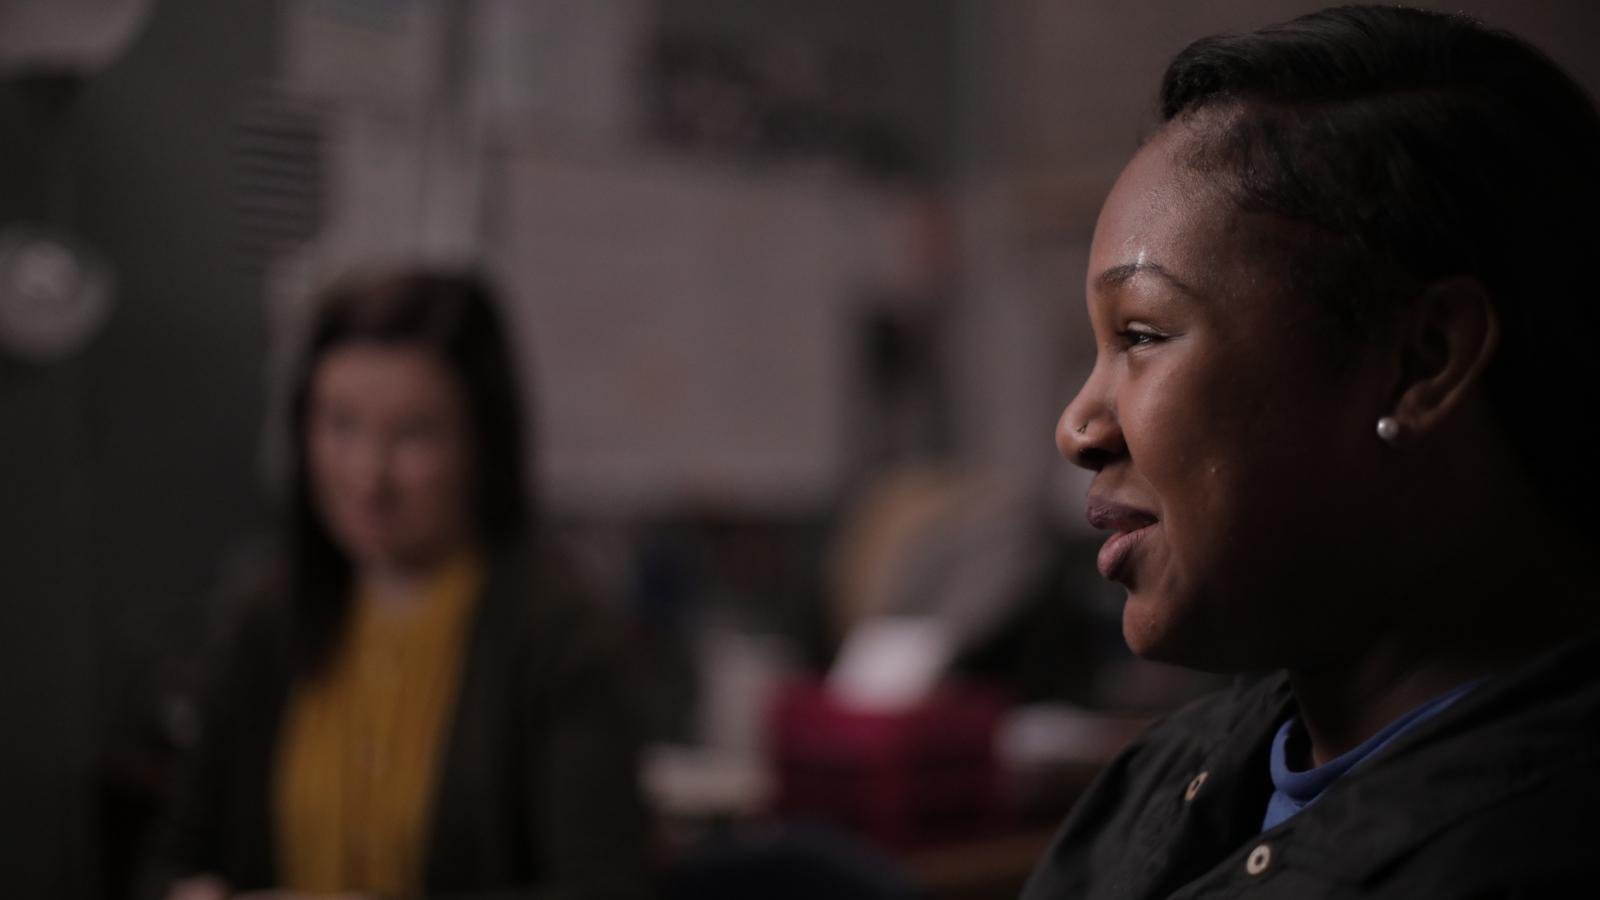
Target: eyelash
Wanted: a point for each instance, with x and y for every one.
(1131, 338)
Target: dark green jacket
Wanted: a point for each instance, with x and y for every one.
(1496, 797)
(538, 794)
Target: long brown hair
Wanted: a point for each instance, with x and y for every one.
(452, 315)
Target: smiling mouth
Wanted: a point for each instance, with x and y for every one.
(1113, 557)
(1131, 525)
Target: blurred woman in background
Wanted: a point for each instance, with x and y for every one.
(1345, 308)
(420, 700)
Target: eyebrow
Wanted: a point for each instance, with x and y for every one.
(1117, 276)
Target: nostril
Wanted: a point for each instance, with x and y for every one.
(1092, 458)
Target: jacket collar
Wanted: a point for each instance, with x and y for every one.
(1518, 731)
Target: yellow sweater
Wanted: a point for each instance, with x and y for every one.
(361, 744)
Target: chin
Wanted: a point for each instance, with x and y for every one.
(1146, 627)
(1155, 629)
(364, 557)
(366, 549)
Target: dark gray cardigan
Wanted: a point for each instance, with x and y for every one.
(538, 794)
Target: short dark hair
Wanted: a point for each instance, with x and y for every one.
(453, 315)
(1425, 146)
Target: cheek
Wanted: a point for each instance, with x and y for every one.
(1183, 436)
(1192, 438)
(328, 464)
(431, 479)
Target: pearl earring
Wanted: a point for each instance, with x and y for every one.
(1388, 429)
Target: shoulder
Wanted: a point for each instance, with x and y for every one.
(1119, 832)
(1251, 704)
(536, 583)
(250, 613)
(1494, 798)
(1520, 772)
(1535, 843)
(1544, 835)
(1217, 723)
(538, 604)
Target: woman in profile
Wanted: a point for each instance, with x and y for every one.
(1345, 309)
(420, 701)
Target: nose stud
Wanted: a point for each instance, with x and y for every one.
(1082, 428)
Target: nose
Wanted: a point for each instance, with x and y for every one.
(366, 469)
(1088, 434)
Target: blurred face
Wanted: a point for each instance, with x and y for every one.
(1232, 443)
(389, 454)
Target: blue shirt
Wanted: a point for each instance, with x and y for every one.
(1294, 791)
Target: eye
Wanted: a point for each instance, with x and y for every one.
(335, 422)
(421, 432)
(1138, 334)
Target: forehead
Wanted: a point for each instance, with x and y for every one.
(1163, 212)
(385, 375)
(1153, 188)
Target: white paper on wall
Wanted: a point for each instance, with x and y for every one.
(563, 69)
(685, 332)
(384, 54)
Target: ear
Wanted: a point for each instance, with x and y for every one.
(1446, 341)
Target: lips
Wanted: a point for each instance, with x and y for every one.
(1131, 525)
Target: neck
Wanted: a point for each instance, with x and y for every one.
(399, 584)
(1342, 706)
(1506, 606)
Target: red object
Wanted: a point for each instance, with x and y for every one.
(904, 780)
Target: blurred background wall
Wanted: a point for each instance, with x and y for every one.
(762, 254)
(121, 463)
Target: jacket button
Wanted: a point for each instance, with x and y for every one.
(1194, 787)
(1260, 858)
